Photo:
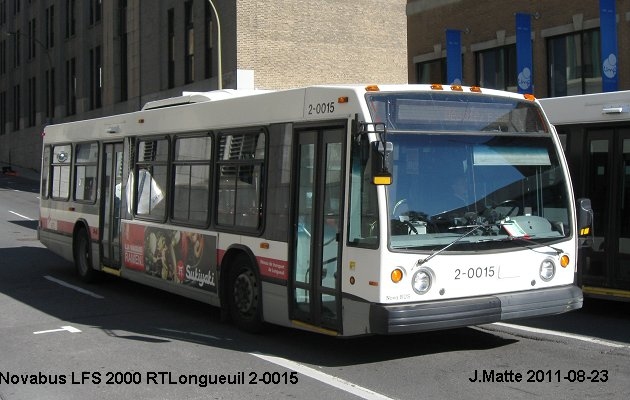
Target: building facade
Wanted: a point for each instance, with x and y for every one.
(565, 39)
(67, 60)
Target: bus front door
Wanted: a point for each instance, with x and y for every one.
(110, 203)
(315, 281)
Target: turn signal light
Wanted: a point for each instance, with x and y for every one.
(564, 261)
(397, 275)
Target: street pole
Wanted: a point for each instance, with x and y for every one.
(219, 69)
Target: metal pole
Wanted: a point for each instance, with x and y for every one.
(219, 69)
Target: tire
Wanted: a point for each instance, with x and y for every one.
(83, 257)
(244, 295)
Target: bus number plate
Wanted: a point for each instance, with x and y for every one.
(475, 273)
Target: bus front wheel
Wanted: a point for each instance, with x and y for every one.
(83, 257)
(244, 295)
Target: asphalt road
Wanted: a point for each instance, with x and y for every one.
(62, 339)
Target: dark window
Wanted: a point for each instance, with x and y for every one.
(60, 179)
(151, 178)
(191, 170)
(122, 51)
(70, 18)
(32, 101)
(96, 78)
(433, 71)
(496, 68)
(189, 43)
(71, 87)
(171, 48)
(240, 178)
(573, 64)
(85, 170)
(50, 27)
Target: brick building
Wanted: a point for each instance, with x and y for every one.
(66, 60)
(565, 43)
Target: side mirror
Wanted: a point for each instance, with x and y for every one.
(380, 159)
(584, 222)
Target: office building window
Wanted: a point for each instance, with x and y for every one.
(189, 43)
(17, 45)
(50, 93)
(96, 78)
(50, 27)
(3, 12)
(496, 68)
(71, 87)
(433, 71)
(32, 39)
(3, 57)
(32, 101)
(17, 6)
(70, 18)
(574, 64)
(96, 7)
(208, 47)
(171, 48)
(3, 112)
(16, 107)
(122, 50)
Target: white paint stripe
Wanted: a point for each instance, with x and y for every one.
(78, 289)
(21, 216)
(325, 378)
(203, 335)
(66, 328)
(583, 338)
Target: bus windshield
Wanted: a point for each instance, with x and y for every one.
(446, 184)
(467, 183)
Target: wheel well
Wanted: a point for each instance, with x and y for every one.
(80, 224)
(224, 273)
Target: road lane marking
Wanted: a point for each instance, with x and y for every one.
(203, 335)
(583, 338)
(21, 216)
(66, 328)
(331, 380)
(69, 286)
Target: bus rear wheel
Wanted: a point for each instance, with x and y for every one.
(83, 257)
(245, 295)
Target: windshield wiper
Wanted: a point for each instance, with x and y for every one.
(474, 228)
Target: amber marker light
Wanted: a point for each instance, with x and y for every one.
(564, 261)
(342, 99)
(436, 86)
(397, 275)
(475, 89)
(372, 88)
(457, 88)
(529, 96)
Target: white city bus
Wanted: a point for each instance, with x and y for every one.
(595, 131)
(345, 210)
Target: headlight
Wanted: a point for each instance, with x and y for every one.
(422, 280)
(547, 270)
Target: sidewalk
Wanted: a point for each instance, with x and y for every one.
(13, 170)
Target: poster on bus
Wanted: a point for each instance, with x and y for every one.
(186, 258)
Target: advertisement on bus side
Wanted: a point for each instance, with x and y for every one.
(187, 258)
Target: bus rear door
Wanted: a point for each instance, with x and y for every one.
(110, 204)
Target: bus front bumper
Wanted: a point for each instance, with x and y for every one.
(445, 314)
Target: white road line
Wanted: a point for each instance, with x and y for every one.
(21, 216)
(324, 378)
(67, 328)
(564, 335)
(69, 286)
